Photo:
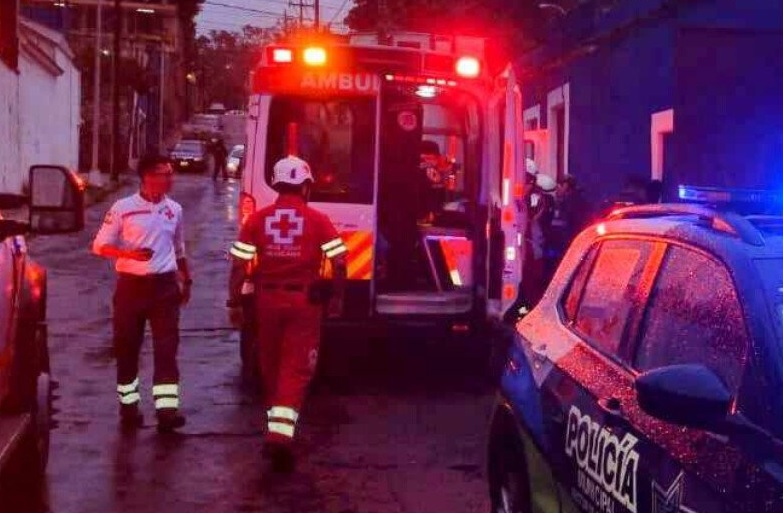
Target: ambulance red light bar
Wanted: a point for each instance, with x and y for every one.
(314, 56)
(468, 67)
(282, 55)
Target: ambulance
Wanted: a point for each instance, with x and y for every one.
(414, 149)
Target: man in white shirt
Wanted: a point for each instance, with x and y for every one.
(144, 234)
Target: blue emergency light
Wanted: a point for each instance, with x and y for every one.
(718, 196)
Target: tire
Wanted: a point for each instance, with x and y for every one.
(509, 482)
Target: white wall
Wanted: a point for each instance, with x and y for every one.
(50, 114)
(10, 145)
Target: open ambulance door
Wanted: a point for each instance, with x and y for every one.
(506, 216)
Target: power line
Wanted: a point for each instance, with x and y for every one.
(240, 8)
(339, 11)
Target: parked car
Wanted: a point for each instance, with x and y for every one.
(648, 378)
(236, 161)
(191, 155)
(216, 108)
(55, 206)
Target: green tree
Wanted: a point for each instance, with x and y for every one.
(224, 62)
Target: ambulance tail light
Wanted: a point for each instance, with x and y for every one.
(282, 55)
(314, 56)
(468, 67)
(247, 206)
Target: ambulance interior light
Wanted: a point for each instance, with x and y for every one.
(468, 67)
(427, 91)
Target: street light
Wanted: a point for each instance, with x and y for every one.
(556, 7)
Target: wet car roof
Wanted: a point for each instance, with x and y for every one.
(688, 229)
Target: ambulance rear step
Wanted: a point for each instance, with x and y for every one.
(437, 303)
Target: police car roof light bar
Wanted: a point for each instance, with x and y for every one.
(717, 196)
(726, 222)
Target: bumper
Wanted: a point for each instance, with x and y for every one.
(189, 166)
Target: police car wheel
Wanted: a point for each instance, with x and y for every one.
(509, 484)
(512, 498)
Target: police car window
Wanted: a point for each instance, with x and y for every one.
(611, 293)
(693, 317)
(571, 300)
(336, 137)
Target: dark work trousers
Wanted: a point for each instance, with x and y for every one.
(138, 299)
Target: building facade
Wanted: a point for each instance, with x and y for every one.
(40, 91)
(684, 91)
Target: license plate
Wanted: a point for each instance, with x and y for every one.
(184, 163)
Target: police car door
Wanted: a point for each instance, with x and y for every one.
(687, 323)
(596, 457)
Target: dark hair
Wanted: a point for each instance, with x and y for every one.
(570, 181)
(429, 147)
(289, 189)
(148, 163)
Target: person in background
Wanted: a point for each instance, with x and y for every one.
(570, 217)
(654, 191)
(220, 153)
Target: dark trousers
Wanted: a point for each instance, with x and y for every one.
(138, 299)
(220, 169)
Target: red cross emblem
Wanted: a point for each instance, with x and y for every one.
(167, 212)
(284, 226)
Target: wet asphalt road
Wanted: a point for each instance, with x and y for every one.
(403, 429)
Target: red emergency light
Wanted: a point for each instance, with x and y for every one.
(468, 67)
(282, 55)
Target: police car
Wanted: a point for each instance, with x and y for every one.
(649, 377)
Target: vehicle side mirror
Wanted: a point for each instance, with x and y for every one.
(56, 200)
(691, 395)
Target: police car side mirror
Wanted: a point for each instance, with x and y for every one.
(56, 200)
(690, 395)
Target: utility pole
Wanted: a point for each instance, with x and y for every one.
(161, 126)
(95, 172)
(317, 9)
(301, 5)
(115, 94)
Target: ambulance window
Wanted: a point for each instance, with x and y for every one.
(451, 150)
(335, 136)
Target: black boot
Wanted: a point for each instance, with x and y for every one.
(169, 420)
(280, 456)
(130, 417)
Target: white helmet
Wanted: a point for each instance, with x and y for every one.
(530, 166)
(546, 183)
(291, 170)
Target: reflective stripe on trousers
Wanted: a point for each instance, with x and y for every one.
(166, 396)
(282, 421)
(129, 393)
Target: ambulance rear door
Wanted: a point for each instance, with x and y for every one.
(505, 226)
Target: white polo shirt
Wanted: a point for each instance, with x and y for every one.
(134, 223)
